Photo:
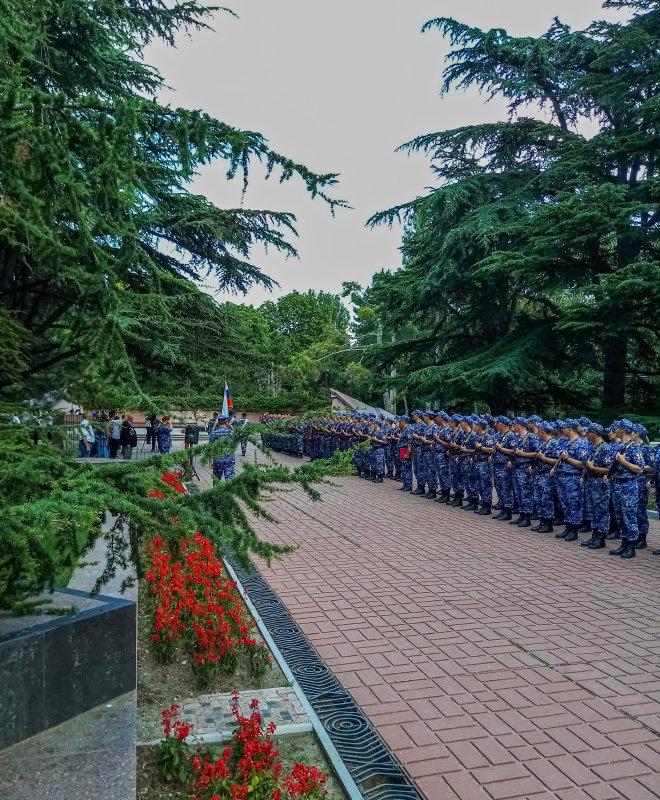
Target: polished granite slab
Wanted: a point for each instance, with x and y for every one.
(89, 756)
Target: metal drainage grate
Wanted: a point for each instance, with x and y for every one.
(368, 760)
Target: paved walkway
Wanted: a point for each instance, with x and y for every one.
(497, 663)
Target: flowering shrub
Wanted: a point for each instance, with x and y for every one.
(199, 608)
(248, 768)
(173, 480)
(173, 756)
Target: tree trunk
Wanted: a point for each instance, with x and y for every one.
(615, 352)
(498, 397)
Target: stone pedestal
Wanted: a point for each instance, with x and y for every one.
(53, 668)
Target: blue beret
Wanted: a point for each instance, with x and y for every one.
(546, 426)
(429, 414)
(594, 427)
(474, 419)
(489, 419)
(626, 425)
(558, 423)
(404, 418)
(640, 429)
(223, 418)
(571, 423)
(519, 421)
(456, 418)
(503, 420)
(584, 422)
(535, 419)
(443, 415)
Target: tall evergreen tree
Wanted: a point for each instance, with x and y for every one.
(100, 234)
(534, 265)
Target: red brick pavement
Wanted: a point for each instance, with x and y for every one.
(496, 663)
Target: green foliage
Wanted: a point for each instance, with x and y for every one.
(532, 271)
(51, 509)
(101, 240)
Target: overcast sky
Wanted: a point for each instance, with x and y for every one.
(337, 86)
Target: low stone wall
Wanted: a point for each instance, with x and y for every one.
(53, 668)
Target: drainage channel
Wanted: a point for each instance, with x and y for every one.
(368, 761)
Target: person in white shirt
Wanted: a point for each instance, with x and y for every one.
(87, 442)
(114, 434)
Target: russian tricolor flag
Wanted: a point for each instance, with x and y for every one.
(227, 404)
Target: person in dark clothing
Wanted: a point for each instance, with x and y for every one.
(128, 438)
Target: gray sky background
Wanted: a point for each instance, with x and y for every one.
(337, 86)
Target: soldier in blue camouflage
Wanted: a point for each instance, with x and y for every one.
(406, 450)
(484, 449)
(597, 485)
(657, 483)
(562, 442)
(378, 442)
(523, 469)
(468, 472)
(583, 425)
(455, 476)
(418, 428)
(224, 465)
(640, 435)
(428, 455)
(395, 433)
(544, 482)
(570, 471)
(503, 467)
(629, 463)
(389, 455)
(441, 456)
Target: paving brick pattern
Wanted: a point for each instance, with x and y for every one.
(212, 713)
(495, 662)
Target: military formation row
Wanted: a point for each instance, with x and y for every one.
(571, 471)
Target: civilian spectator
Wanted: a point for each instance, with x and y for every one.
(114, 434)
(87, 442)
(128, 437)
(165, 435)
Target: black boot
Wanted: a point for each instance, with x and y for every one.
(378, 479)
(640, 544)
(442, 497)
(504, 515)
(564, 533)
(629, 551)
(517, 521)
(585, 527)
(419, 490)
(359, 473)
(598, 542)
(431, 495)
(497, 506)
(448, 496)
(620, 549)
(544, 527)
(472, 504)
(484, 511)
(403, 489)
(524, 523)
(458, 499)
(589, 542)
(572, 534)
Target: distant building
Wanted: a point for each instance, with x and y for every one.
(342, 402)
